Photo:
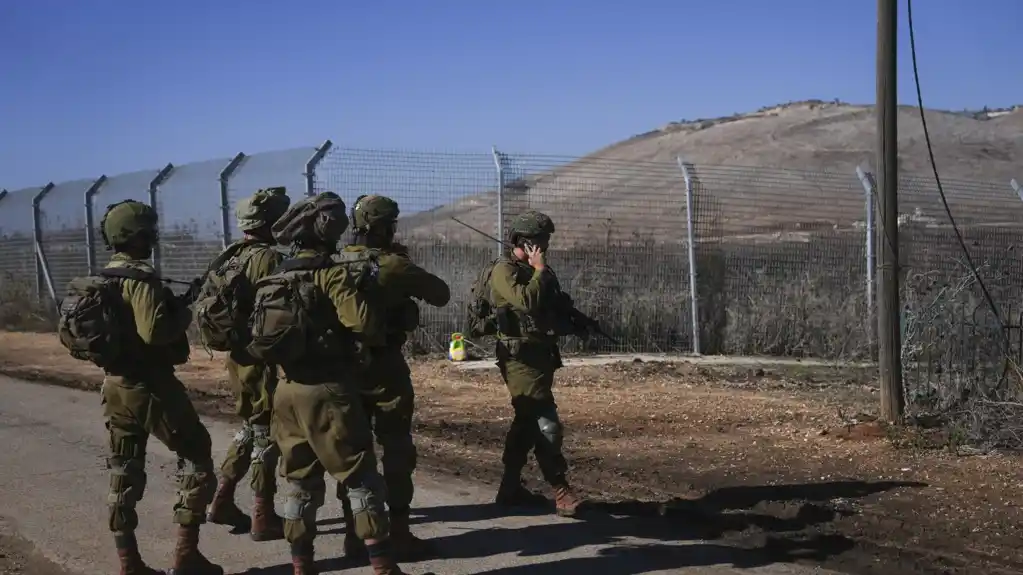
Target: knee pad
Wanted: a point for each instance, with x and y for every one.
(196, 478)
(128, 481)
(551, 429)
(245, 436)
(264, 450)
(367, 495)
(304, 498)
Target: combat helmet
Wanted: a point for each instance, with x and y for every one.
(262, 208)
(318, 220)
(370, 210)
(126, 220)
(530, 224)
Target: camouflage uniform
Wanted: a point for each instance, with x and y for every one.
(528, 355)
(389, 397)
(253, 383)
(318, 417)
(144, 398)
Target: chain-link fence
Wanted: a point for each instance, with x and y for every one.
(782, 259)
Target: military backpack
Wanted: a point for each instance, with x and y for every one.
(91, 319)
(224, 303)
(481, 315)
(364, 265)
(293, 320)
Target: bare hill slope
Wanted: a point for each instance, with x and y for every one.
(784, 168)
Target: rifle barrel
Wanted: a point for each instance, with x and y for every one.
(481, 232)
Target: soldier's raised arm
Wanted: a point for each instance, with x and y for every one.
(159, 319)
(529, 297)
(355, 310)
(405, 277)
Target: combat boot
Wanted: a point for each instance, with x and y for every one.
(224, 511)
(566, 502)
(131, 560)
(354, 547)
(407, 547)
(303, 565)
(266, 524)
(188, 560)
(384, 563)
(512, 493)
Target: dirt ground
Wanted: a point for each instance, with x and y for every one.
(784, 460)
(19, 557)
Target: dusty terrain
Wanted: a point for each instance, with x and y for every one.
(782, 459)
(19, 557)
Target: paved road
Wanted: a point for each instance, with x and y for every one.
(53, 488)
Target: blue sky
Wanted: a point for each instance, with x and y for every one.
(109, 86)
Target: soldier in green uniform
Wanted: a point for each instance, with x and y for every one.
(528, 301)
(253, 382)
(144, 398)
(318, 420)
(389, 395)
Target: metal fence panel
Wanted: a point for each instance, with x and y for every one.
(429, 188)
(781, 254)
(63, 223)
(781, 262)
(17, 254)
(620, 245)
(190, 225)
(951, 338)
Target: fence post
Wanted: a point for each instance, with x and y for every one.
(499, 229)
(689, 175)
(42, 266)
(867, 181)
(90, 224)
(225, 200)
(310, 167)
(154, 188)
(1015, 186)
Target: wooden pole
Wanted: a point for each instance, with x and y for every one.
(888, 307)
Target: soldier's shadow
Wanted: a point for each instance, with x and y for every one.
(662, 528)
(665, 526)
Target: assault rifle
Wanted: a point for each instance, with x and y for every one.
(577, 318)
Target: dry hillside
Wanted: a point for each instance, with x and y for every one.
(780, 169)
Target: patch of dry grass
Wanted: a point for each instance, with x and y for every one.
(20, 309)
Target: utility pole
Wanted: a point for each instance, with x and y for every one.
(889, 356)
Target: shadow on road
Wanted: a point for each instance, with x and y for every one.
(780, 537)
(638, 559)
(450, 514)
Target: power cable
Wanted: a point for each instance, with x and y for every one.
(937, 178)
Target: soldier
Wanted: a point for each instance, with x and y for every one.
(528, 302)
(143, 397)
(389, 396)
(251, 258)
(315, 319)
